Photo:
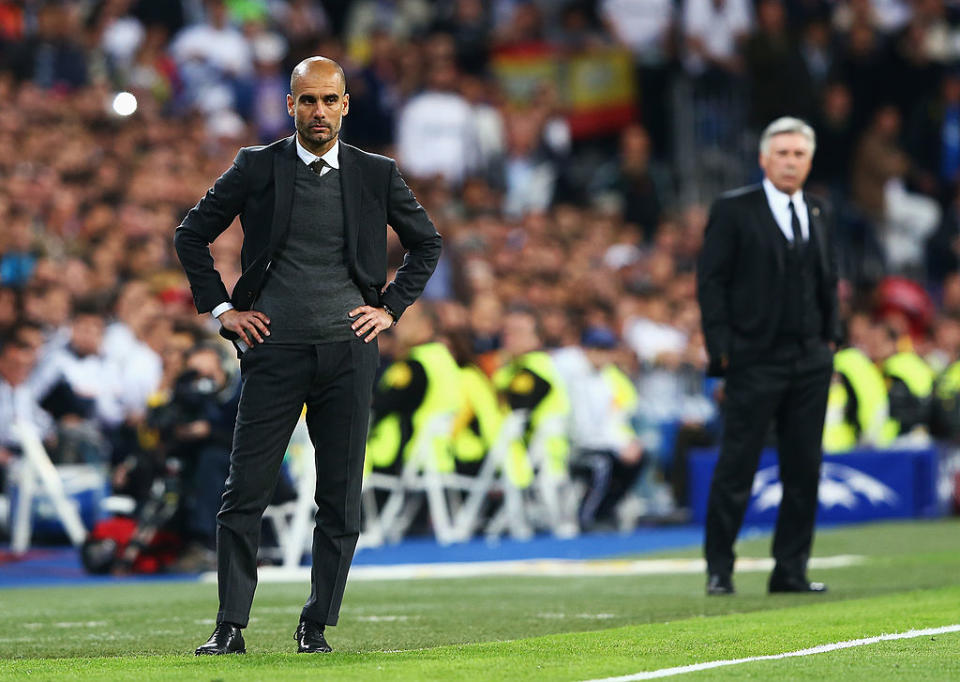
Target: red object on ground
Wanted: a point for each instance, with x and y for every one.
(160, 554)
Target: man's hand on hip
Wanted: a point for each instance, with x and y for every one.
(250, 325)
(371, 322)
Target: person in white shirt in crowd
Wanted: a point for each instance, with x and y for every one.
(86, 370)
(712, 32)
(646, 29)
(132, 348)
(19, 397)
(603, 402)
(436, 131)
(215, 60)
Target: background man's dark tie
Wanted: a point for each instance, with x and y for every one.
(794, 224)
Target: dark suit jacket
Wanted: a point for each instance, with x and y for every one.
(740, 275)
(259, 188)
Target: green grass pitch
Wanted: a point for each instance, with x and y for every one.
(522, 628)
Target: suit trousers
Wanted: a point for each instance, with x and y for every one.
(787, 385)
(335, 381)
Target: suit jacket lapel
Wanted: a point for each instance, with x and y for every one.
(816, 229)
(284, 174)
(351, 184)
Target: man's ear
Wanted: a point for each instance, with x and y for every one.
(291, 105)
(346, 104)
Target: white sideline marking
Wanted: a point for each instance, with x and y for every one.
(536, 567)
(823, 648)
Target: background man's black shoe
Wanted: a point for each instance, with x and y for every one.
(226, 639)
(804, 585)
(310, 639)
(720, 584)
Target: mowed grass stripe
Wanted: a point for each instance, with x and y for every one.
(585, 655)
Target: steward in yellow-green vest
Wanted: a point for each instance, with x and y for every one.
(857, 407)
(910, 390)
(411, 395)
(531, 382)
(946, 404)
(478, 424)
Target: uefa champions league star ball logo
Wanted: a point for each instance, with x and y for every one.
(840, 486)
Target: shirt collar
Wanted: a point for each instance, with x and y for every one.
(782, 198)
(332, 157)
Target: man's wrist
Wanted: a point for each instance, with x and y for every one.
(396, 318)
(221, 309)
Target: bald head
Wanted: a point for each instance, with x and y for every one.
(320, 66)
(318, 102)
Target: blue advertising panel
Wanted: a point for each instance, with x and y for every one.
(854, 486)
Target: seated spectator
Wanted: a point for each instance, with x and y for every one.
(19, 399)
(86, 370)
(603, 402)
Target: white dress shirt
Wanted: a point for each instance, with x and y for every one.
(332, 159)
(780, 207)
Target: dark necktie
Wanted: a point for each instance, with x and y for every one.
(318, 165)
(795, 226)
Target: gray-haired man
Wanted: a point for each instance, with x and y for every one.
(767, 290)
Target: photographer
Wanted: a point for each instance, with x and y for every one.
(196, 428)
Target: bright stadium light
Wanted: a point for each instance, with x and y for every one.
(124, 104)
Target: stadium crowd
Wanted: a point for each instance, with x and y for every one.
(560, 233)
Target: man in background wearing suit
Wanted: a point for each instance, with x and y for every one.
(304, 315)
(766, 282)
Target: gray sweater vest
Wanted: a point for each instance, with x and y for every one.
(308, 291)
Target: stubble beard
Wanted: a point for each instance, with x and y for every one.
(314, 139)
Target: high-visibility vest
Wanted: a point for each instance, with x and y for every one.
(479, 403)
(946, 394)
(441, 397)
(873, 426)
(912, 370)
(554, 405)
(919, 378)
(839, 434)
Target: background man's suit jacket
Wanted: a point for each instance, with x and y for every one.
(259, 188)
(741, 275)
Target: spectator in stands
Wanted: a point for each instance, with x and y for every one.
(603, 403)
(933, 137)
(780, 81)
(903, 219)
(435, 131)
(215, 60)
(469, 23)
(19, 398)
(647, 30)
(84, 367)
(834, 126)
(52, 56)
(713, 33)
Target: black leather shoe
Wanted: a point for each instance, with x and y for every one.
(779, 585)
(310, 639)
(719, 584)
(226, 639)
